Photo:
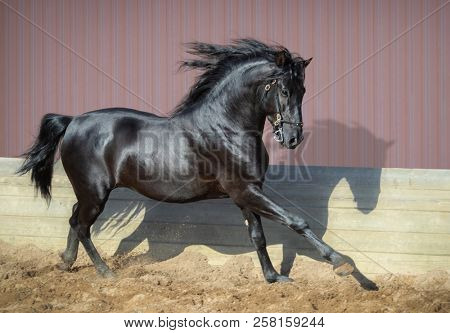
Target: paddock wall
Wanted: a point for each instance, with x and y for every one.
(387, 220)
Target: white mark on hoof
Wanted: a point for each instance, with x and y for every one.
(246, 223)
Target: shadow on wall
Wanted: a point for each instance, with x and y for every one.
(218, 224)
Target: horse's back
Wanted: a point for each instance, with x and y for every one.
(92, 131)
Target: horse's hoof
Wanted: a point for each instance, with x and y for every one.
(63, 266)
(370, 286)
(107, 274)
(344, 269)
(62, 256)
(284, 279)
(280, 278)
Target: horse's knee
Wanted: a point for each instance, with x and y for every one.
(258, 238)
(299, 225)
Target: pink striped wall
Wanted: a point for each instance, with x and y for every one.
(391, 111)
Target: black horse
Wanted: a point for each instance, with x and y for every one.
(211, 147)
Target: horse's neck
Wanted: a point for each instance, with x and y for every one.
(234, 111)
(232, 103)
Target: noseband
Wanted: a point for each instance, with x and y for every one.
(277, 125)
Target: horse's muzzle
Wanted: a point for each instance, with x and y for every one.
(292, 143)
(293, 138)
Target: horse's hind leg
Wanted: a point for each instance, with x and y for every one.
(256, 233)
(89, 209)
(70, 254)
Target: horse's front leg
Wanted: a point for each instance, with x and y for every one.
(252, 198)
(256, 233)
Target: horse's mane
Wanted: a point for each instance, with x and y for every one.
(216, 60)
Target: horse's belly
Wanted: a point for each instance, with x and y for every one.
(180, 191)
(169, 172)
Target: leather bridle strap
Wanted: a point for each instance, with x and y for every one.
(277, 124)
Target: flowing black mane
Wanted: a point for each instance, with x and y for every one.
(217, 60)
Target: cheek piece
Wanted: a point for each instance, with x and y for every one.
(277, 124)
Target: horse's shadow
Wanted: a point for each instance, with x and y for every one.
(304, 190)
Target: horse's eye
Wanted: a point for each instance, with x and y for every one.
(285, 92)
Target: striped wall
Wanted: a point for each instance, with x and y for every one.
(377, 89)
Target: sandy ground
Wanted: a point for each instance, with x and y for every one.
(29, 282)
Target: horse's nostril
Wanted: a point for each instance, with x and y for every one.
(292, 141)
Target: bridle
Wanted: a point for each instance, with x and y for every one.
(277, 125)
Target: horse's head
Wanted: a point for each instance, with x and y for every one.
(283, 97)
(250, 81)
(366, 188)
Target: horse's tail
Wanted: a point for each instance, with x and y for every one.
(40, 157)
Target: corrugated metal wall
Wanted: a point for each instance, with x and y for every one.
(377, 89)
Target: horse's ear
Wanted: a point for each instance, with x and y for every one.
(280, 58)
(306, 62)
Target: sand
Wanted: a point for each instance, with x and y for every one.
(30, 282)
